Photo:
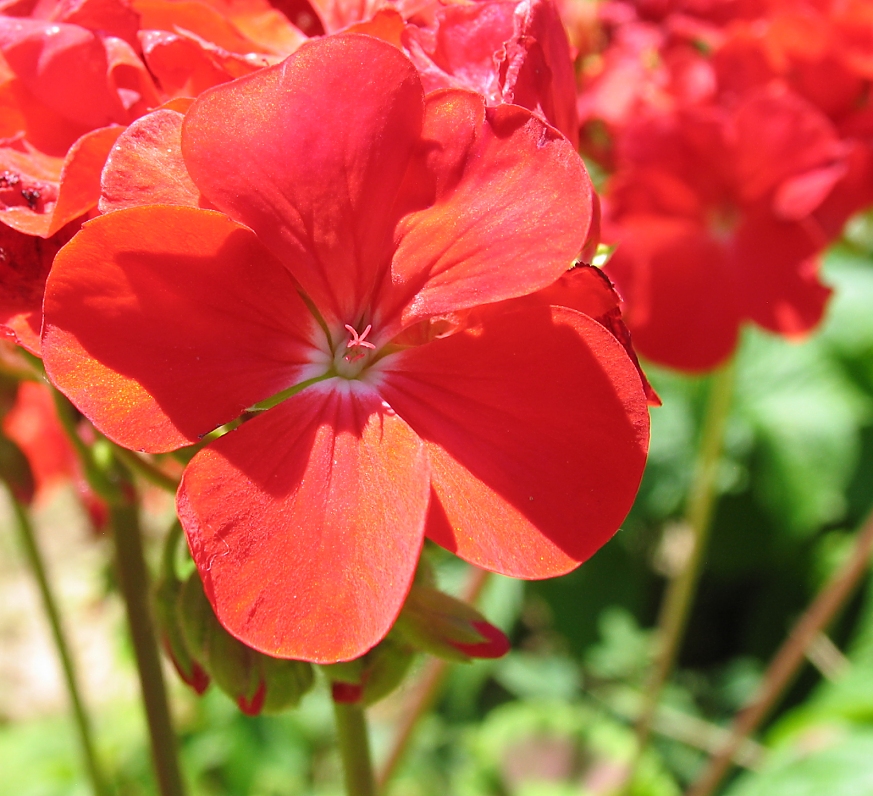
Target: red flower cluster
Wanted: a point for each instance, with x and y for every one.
(739, 139)
(73, 74)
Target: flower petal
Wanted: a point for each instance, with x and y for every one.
(510, 208)
(536, 427)
(65, 66)
(162, 323)
(146, 167)
(777, 263)
(25, 262)
(306, 523)
(681, 297)
(310, 154)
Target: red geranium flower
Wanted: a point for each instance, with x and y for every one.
(714, 213)
(354, 282)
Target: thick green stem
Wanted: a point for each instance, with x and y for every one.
(83, 724)
(676, 606)
(133, 577)
(354, 746)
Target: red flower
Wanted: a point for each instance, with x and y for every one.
(714, 213)
(355, 212)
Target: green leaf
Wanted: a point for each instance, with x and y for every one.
(831, 762)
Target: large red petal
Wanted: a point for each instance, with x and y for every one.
(162, 323)
(536, 426)
(510, 208)
(310, 154)
(307, 522)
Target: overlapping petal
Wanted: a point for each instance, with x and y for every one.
(166, 322)
(45, 199)
(681, 314)
(307, 522)
(310, 154)
(25, 262)
(536, 428)
(66, 67)
(511, 208)
(146, 166)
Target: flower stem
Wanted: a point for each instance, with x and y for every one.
(150, 472)
(676, 606)
(354, 746)
(83, 724)
(133, 577)
(789, 658)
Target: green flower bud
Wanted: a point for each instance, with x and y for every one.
(165, 602)
(434, 622)
(257, 682)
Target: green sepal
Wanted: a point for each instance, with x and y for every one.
(387, 665)
(254, 680)
(432, 621)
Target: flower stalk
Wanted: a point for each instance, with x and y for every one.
(354, 747)
(134, 581)
(789, 658)
(50, 606)
(679, 597)
(111, 481)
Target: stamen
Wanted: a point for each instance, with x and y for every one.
(357, 341)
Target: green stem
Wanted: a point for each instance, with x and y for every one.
(676, 606)
(109, 481)
(83, 724)
(154, 475)
(133, 577)
(354, 747)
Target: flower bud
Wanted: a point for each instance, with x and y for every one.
(373, 676)
(434, 622)
(165, 602)
(257, 682)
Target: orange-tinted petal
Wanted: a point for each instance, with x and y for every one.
(163, 323)
(307, 522)
(536, 426)
(46, 206)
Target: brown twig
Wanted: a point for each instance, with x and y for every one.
(789, 658)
